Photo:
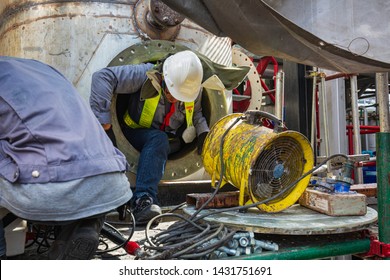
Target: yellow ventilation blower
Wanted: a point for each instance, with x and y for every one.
(260, 161)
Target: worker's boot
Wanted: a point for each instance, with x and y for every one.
(78, 240)
(144, 210)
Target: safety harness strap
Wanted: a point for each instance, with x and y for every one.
(149, 109)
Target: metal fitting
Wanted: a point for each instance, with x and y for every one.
(230, 252)
(245, 251)
(267, 245)
(248, 234)
(233, 244)
(257, 250)
(244, 242)
(217, 255)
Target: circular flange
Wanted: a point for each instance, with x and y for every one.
(186, 162)
(256, 99)
(296, 220)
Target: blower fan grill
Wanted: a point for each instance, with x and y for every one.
(278, 165)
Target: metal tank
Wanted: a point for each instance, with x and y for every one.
(80, 37)
(342, 36)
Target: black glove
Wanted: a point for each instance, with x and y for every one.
(111, 135)
(201, 139)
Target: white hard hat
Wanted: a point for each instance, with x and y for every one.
(183, 74)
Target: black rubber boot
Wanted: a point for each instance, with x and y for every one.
(144, 210)
(78, 240)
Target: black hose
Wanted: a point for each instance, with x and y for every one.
(115, 236)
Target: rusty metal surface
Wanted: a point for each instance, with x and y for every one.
(296, 220)
(172, 192)
(150, 25)
(220, 200)
(163, 15)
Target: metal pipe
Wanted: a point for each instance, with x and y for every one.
(313, 139)
(365, 122)
(357, 146)
(265, 87)
(337, 76)
(382, 89)
(350, 140)
(325, 115)
(376, 128)
(314, 252)
(279, 96)
(383, 185)
(271, 91)
(383, 158)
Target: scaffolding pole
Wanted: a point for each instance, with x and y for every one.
(357, 145)
(383, 158)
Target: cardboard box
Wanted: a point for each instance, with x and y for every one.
(334, 204)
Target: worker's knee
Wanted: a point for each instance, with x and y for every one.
(159, 139)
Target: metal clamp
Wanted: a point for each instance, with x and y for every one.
(378, 248)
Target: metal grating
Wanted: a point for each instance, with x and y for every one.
(278, 165)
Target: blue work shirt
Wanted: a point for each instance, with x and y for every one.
(129, 79)
(47, 132)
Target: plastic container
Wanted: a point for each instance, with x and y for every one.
(369, 174)
(15, 235)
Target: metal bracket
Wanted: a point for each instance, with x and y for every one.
(262, 117)
(379, 249)
(337, 162)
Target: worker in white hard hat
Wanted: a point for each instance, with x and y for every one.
(159, 119)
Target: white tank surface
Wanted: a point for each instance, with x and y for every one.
(80, 37)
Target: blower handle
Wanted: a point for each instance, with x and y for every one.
(257, 117)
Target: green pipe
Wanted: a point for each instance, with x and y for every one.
(383, 185)
(313, 252)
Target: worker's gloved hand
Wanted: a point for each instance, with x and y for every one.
(201, 139)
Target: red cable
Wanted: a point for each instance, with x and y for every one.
(167, 117)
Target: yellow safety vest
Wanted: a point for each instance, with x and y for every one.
(149, 109)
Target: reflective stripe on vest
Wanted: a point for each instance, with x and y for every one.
(149, 109)
(189, 107)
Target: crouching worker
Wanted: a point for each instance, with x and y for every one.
(57, 165)
(159, 120)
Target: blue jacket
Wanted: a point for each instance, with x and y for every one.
(129, 79)
(47, 132)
